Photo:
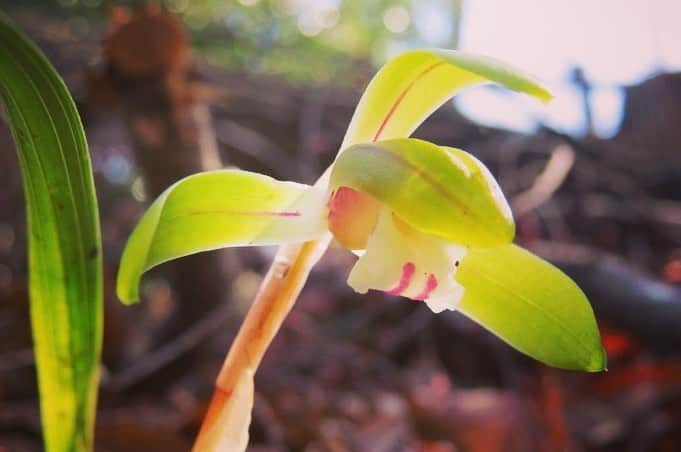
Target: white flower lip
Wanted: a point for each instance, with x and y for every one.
(402, 261)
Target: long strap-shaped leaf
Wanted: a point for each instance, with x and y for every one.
(64, 243)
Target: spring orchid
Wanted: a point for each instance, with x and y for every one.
(428, 222)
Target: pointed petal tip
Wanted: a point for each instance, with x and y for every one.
(127, 295)
(598, 361)
(498, 72)
(544, 94)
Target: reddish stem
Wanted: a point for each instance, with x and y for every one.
(278, 292)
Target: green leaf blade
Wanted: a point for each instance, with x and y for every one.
(219, 209)
(64, 244)
(442, 191)
(532, 306)
(413, 85)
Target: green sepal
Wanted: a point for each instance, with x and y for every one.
(411, 86)
(442, 191)
(531, 305)
(219, 209)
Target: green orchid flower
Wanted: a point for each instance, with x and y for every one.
(428, 222)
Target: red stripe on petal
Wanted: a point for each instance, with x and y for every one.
(248, 213)
(407, 272)
(431, 285)
(400, 98)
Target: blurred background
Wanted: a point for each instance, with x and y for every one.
(173, 87)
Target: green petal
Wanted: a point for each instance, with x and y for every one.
(442, 191)
(532, 305)
(64, 249)
(413, 85)
(219, 209)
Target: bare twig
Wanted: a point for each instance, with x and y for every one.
(249, 141)
(170, 352)
(549, 180)
(668, 212)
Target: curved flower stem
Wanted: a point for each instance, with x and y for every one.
(233, 393)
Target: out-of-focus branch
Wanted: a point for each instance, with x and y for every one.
(174, 349)
(549, 180)
(147, 74)
(622, 295)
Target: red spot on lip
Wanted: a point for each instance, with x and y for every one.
(352, 217)
(431, 285)
(407, 272)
